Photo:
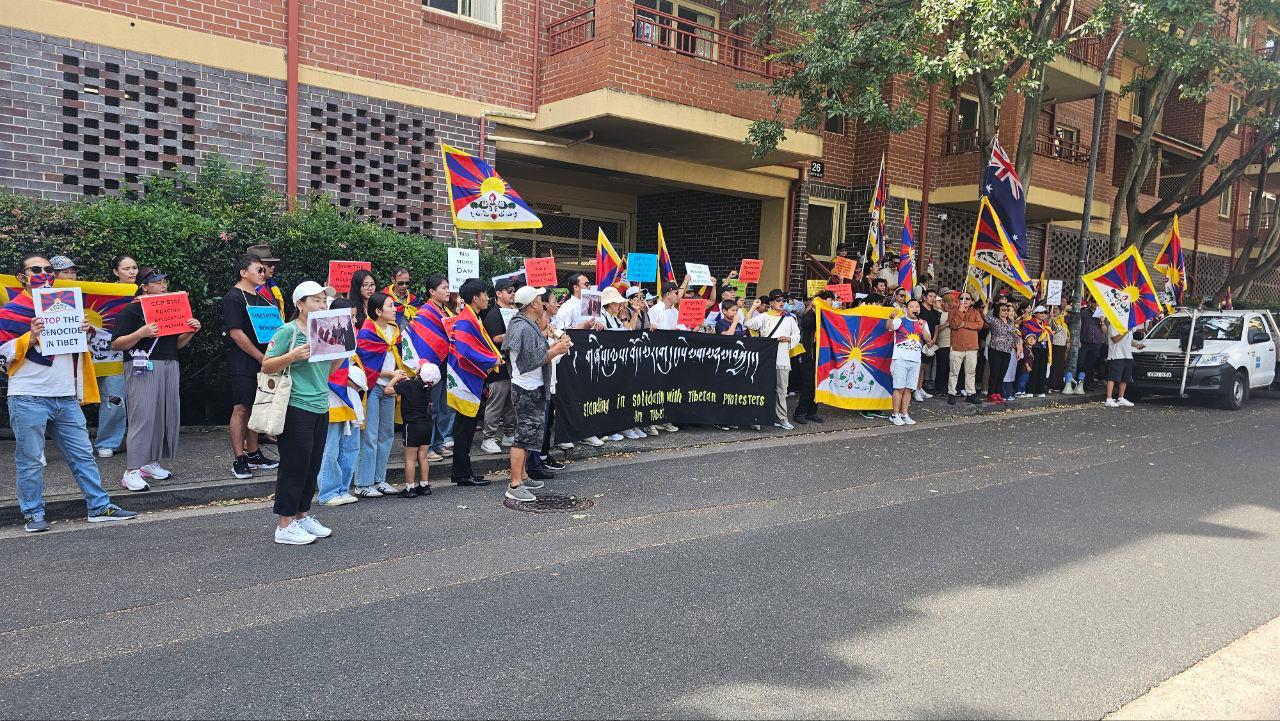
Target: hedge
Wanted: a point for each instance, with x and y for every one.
(193, 227)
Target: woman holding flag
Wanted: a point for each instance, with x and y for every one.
(378, 351)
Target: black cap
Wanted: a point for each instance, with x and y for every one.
(504, 284)
(775, 294)
(150, 275)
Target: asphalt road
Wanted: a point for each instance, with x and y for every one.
(1053, 563)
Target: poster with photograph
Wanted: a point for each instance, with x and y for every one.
(331, 335)
(590, 303)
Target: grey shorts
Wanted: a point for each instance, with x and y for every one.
(531, 416)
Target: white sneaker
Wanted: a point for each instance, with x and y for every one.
(927, 395)
(634, 434)
(293, 535)
(565, 446)
(448, 443)
(907, 420)
(154, 472)
(105, 453)
(669, 427)
(507, 441)
(386, 489)
(651, 430)
(132, 481)
(340, 500)
(615, 437)
(897, 420)
(1125, 402)
(785, 425)
(1111, 403)
(1041, 395)
(366, 492)
(591, 441)
(314, 527)
(918, 395)
(489, 445)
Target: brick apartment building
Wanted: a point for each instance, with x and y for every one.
(619, 114)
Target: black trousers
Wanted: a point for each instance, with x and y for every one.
(551, 419)
(301, 447)
(1038, 383)
(941, 369)
(464, 432)
(999, 367)
(803, 377)
(1087, 362)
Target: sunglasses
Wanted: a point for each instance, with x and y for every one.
(40, 269)
(402, 282)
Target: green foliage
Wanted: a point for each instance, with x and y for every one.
(193, 228)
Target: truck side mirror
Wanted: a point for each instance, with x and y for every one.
(1139, 335)
(1258, 336)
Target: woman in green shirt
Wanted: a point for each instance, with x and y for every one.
(306, 423)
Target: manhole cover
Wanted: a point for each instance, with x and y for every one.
(550, 503)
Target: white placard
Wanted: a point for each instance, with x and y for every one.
(1053, 295)
(699, 274)
(62, 310)
(331, 334)
(507, 315)
(464, 263)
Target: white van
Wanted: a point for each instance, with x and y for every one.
(1232, 353)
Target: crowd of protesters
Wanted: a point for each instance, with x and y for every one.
(339, 428)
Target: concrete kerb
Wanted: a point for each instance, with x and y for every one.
(201, 492)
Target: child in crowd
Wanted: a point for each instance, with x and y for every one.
(730, 320)
(1025, 364)
(415, 408)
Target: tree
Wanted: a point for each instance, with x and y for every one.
(1189, 54)
(1263, 236)
(839, 59)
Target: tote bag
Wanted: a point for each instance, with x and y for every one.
(272, 399)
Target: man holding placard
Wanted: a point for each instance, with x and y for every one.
(45, 394)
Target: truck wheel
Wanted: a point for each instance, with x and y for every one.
(1235, 391)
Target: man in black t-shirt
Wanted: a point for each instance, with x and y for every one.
(931, 313)
(244, 360)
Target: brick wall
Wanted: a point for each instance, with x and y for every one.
(719, 230)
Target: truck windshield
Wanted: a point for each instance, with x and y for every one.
(1221, 327)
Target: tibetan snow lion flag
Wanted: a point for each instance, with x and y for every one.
(102, 303)
(471, 358)
(1173, 265)
(1124, 291)
(993, 253)
(855, 349)
(479, 198)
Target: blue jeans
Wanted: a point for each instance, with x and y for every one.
(338, 467)
(111, 414)
(441, 414)
(1023, 378)
(29, 417)
(379, 432)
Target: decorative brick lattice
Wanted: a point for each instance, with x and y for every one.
(373, 159)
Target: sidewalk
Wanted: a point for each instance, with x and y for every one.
(202, 472)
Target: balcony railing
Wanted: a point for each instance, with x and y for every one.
(571, 31)
(1266, 53)
(1068, 151)
(1088, 51)
(685, 37)
(959, 142)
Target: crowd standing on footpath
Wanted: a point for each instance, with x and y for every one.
(339, 425)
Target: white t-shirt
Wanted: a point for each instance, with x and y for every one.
(908, 338)
(787, 328)
(1122, 349)
(569, 315)
(662, 317)
(52, 381)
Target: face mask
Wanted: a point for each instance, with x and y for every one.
(793, 306)
(40, 280)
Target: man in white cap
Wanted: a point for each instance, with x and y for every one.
(531, 361)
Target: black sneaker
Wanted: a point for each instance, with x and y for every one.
(540, 474)
(112, 513)
(801, 420)
(240, 468)
(553, 464)
(259, 462)
(951, 400)
(422, 490)
(815, 419)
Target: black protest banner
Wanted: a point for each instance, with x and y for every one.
(613, 380)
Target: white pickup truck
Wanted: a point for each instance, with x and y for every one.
(1232, 353)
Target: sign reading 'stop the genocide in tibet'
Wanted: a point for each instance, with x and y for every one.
(612, 381)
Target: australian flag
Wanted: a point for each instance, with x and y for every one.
(1000, 184)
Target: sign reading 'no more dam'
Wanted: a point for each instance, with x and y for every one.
(611, 381)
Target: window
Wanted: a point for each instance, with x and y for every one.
(825, 227)
(967, 113)
(1233, 107)
(1067, 136)
(1242, 29)
(682, 26)
(488, 12)
(834, 124)
(1257, 330)
(1139, 102)
(1224, 203)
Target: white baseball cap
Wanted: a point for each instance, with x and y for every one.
(527, 294)
(429, 373)
(308, 288)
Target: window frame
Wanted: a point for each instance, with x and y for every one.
(839, 224)
(497, 13)
(1225, 203)
(1234, 102)
(672, 42)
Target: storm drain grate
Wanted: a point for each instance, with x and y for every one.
(550, 503)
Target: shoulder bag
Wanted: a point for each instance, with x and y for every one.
(272, 399)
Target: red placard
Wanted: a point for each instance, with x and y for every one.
(692, 312)
(540, 272)
(843, 291)
(843, 267)
(170, 311)
(749, 272)
(340, 272)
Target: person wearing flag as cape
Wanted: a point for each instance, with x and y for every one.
(378, 348)
(472, 358)
(407, 303)
(45, 394)
(910, 335)
(347, 388)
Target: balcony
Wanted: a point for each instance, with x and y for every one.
(959, 142)
(1074, 75)
(662, 83)
(1068, 151)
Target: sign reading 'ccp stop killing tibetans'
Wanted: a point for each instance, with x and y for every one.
(62, 310)
(170, 311)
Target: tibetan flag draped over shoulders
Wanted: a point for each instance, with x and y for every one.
(1000, 185)
(993, 253)
(666, 272)
(608, 263)
(907, 253)
(472, 357)
(855, 350)
(1124, 291)
(428, 334)
(1173, 265)
(372, 346)
(16, 345)
(479, 198)
(102, 303)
